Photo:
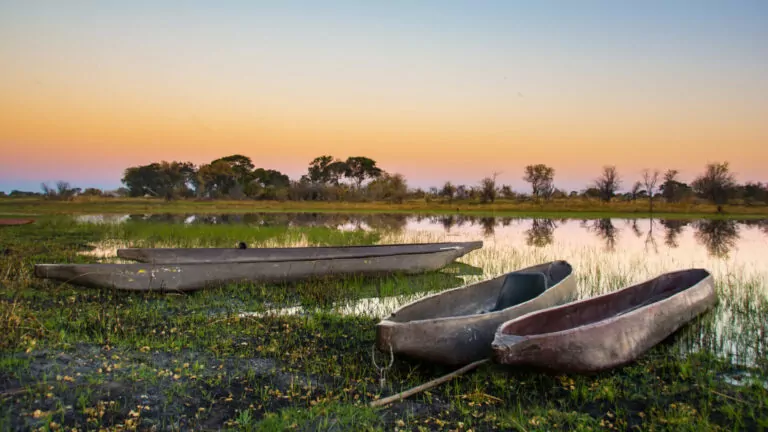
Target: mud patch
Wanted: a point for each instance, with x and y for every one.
(88, 387)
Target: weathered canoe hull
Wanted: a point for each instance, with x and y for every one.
(605, 331)
(457, 335)
(15, 222)
(201, 255)
(190, 277)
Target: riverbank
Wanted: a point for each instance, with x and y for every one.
(568, 208)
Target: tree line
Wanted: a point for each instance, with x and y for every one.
(359, 178)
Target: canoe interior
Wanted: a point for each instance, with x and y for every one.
(606, 306)
(491, 295)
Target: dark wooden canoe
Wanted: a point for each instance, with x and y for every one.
(14, 222)
(605, 331)
(457, 326)
(233, 255)
(195, 276)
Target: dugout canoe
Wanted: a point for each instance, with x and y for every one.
(609, 330)
(457, 326)
(195, 276)
(15, 222)
(201, 255)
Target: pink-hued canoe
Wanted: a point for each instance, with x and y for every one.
(14, 222)
(605, 331)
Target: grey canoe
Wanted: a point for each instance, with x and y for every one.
(198, 255)
(605, 331)
(190, 277)
(457, 326)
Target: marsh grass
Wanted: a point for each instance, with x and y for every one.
(232, 357)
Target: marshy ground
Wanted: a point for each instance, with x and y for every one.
(299, 357)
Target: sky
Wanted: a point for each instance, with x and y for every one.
(434, 90)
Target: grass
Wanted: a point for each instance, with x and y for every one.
(573, 208)
(73, 357)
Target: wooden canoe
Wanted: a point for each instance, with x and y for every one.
(14, 222)
(195, 276)
(605, 331)
(457, 326)
(202, 255)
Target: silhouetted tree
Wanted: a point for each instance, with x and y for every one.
(608, 183)
(448, 191)
(488, 189)
(540, 177)
(361, 168)
(649, 180)
(716, 184)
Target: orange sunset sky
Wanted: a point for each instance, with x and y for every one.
(434, 90)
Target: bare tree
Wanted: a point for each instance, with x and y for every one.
(488, 188)
(635, 190)
(650, 179)
(448, 191)
(608, 183)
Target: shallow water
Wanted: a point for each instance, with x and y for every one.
(607, 254)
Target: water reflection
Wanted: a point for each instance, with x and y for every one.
(541, 233)
(605, 230)
(672, 230)
(718, 237)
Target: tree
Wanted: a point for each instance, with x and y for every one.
(318, 169)
(608, 183)
(673, 190)
(216, 179)
(448, 191)
(716, 184)
(242, 166)
(361, 168)
(649, 180)
(635, 190)
(165, 179)
(336, 171)
(540, 177)
(488, 189)
(390, 187)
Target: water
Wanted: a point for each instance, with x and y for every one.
(607, 254)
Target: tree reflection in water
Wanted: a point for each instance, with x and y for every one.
(672, 229)
(489, 225)
(635, 228)
(604, 229)
(541, 232)
(718, 236)
(650, 240)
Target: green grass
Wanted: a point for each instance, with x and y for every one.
(73, 357)
(573, 208)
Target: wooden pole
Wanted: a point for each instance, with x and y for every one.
(430, 384)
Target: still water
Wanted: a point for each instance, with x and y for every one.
(747, 239)
(607, 254)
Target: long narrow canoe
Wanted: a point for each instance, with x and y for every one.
(201, 255)
(609, 330)
(195, 276)
(14, 222)
(457, 326)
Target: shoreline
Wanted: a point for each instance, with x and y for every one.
(559, 209)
